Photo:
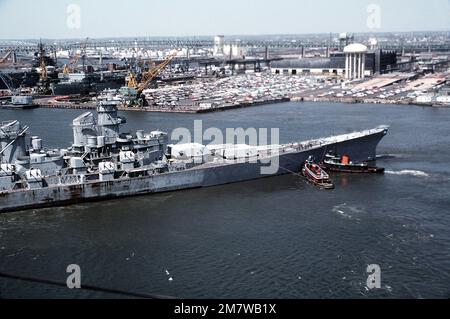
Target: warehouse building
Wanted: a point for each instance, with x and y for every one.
(375, 62)
(306, 66)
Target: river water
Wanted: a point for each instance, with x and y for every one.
(270, 238)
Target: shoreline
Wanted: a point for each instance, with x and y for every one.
(225, 107)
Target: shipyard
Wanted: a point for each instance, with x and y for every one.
(235, 150)
(185, 75)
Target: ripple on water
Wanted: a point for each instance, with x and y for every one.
(348, 211)
(408, 172)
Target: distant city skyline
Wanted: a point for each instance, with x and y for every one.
(59, 19)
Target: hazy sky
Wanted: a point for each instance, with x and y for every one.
(109, 18)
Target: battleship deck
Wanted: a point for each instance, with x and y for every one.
(359, 146)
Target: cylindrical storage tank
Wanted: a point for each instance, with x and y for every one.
(92, 141)
(100, 141)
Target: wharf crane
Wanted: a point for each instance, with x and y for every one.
(10, 54)
(44, 80)
(146, 79)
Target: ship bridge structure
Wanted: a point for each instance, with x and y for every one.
(87, 131)
(12, 141)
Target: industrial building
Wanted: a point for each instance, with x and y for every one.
(375, 62)
(307, 66)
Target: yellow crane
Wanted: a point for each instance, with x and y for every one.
(148, 77)
(42, 65)
(44, 80)
(132, 81)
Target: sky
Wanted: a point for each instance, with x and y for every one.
(32, 19)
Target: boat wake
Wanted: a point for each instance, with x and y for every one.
(340, 209)
(344, 210)
(408, 172)
(389, 156)
(341, 212)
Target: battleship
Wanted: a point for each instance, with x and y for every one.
(105, 163)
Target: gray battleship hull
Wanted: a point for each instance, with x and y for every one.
(359, 148)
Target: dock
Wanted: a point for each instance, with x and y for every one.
(186, 109)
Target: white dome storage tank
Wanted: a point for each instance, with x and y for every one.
(355, 61)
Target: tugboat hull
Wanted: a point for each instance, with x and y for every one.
(316, 175)
(352, 170)
(323, 185)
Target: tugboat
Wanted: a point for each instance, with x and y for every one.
(316, 175)
(336, 163)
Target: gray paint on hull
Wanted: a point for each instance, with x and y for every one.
(358, 149)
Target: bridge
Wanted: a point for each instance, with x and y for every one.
(166, 44)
